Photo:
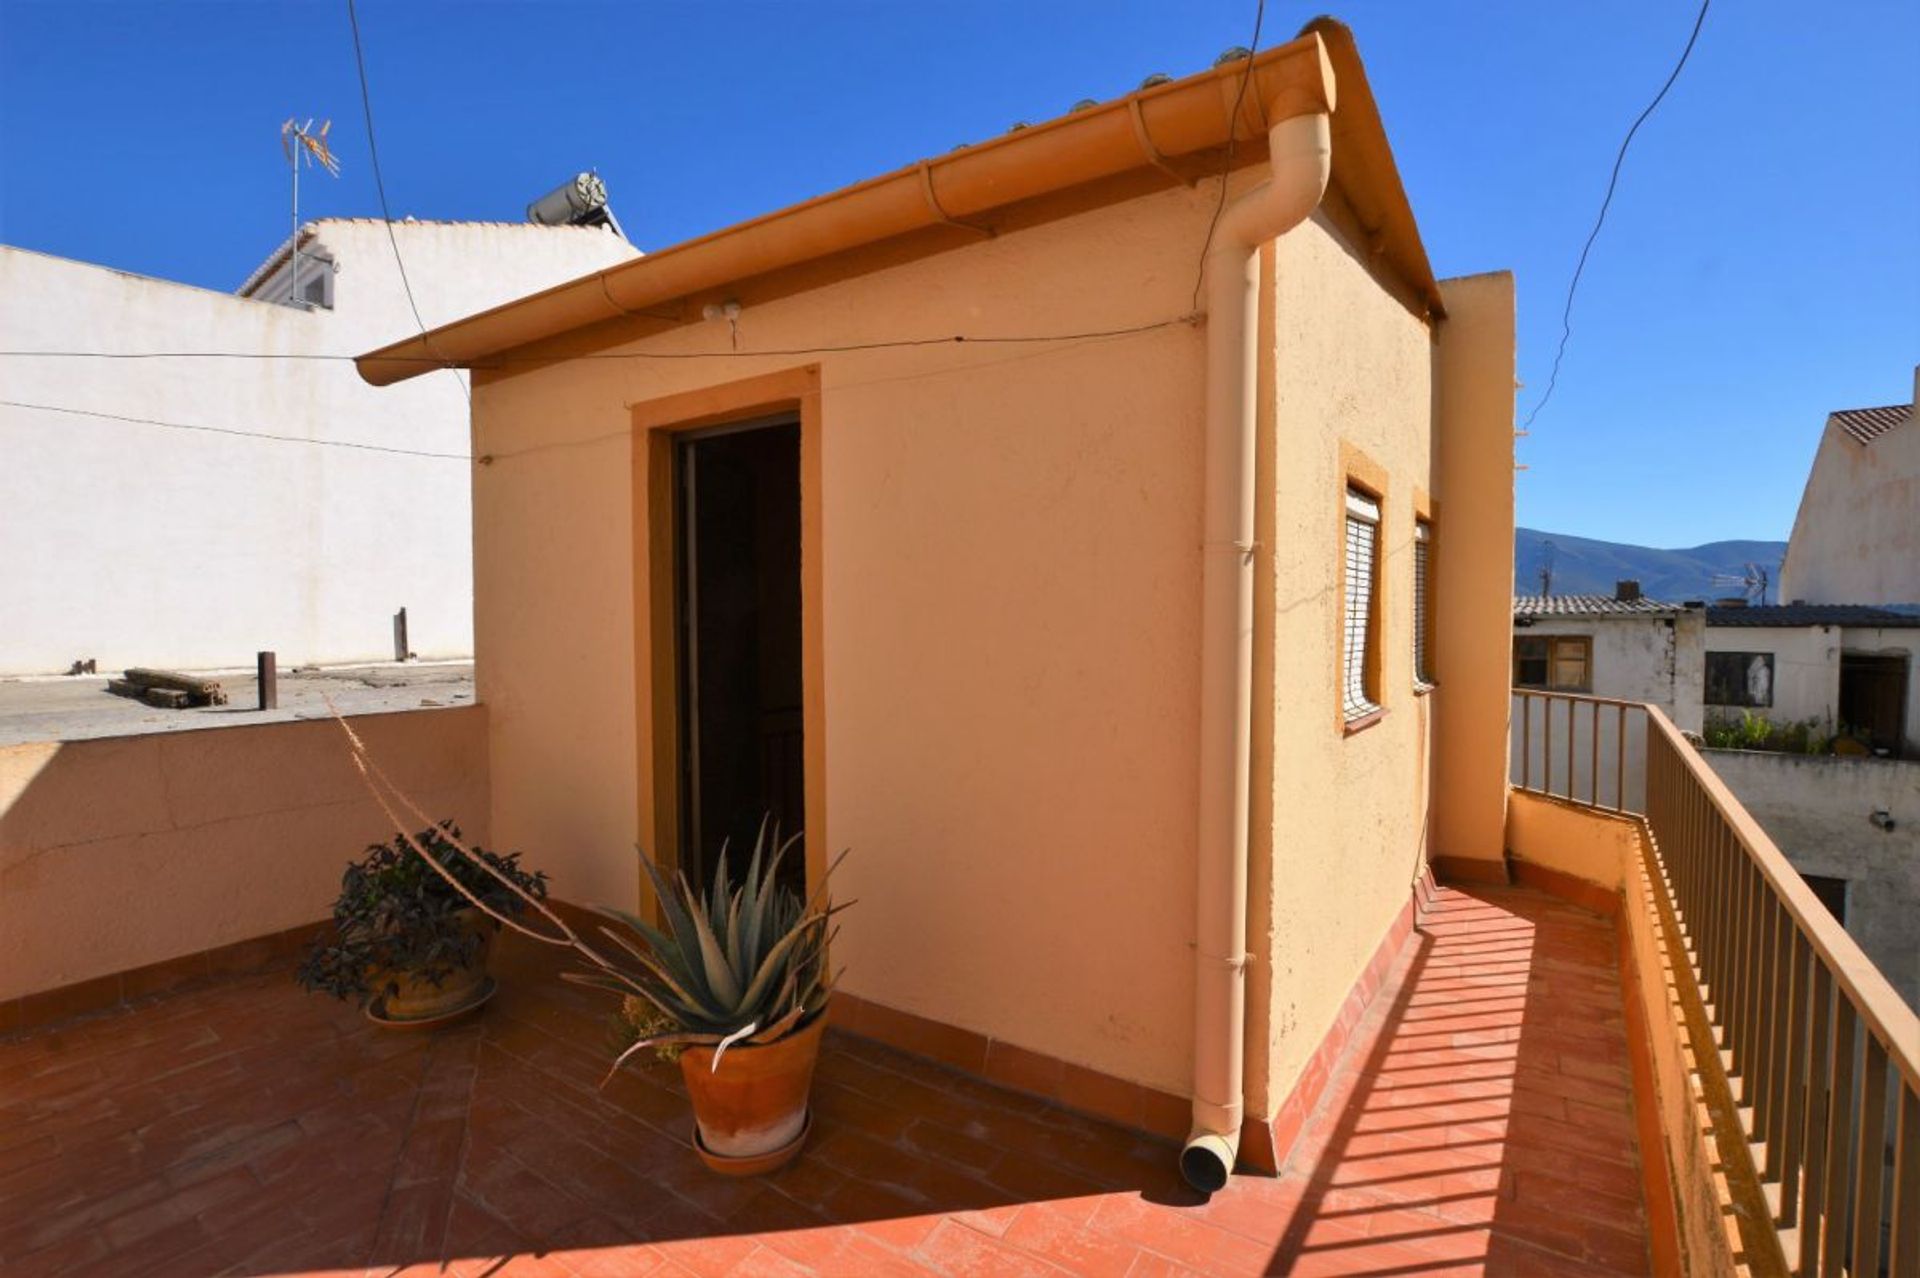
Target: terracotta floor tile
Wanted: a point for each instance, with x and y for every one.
(1479, 1120)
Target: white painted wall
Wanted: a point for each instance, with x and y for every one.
(137, 545)
(1817, 809)
(1806, 669)
(1856, 538)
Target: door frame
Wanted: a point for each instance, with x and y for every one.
(657, 629)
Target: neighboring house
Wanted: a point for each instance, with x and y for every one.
(1837, 668)
(1850, 825)
(1856, 538)
(1623, 647)
(1065, 629)
(133, 544)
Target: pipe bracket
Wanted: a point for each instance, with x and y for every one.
(940, 214)
(1153, 153)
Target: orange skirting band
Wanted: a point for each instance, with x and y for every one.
(30, 1011)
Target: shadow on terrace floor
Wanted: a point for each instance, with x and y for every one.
(244, 1129)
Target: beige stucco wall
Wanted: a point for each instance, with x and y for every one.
(1856, 537)
(125, 851)
(1346, 814)
(1589, 845)
(1474, 376)
(139, 545)
(1010, 629)
(1010, 559)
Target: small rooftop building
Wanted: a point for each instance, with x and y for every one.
(1071, 559)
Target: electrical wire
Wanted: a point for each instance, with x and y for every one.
(380, 187)
(1226, 168)
(1566, 312)
(951, 339)
(839, 387)
(227, 430)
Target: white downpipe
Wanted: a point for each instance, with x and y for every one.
(1300, 161)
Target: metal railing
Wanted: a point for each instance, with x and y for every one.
(1586, 750)
(1826, 1053)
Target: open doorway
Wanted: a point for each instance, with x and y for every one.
(737, 579)
(1873, 698)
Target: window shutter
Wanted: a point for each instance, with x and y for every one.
(1363, 531)
(1422, 551)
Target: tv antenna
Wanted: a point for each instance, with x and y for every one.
(303, 144)
(1752, 583)
(1547, 553)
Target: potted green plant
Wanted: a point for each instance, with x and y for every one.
(735, 985)
(410, 940)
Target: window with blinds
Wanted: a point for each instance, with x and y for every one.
(1358, 695)
(1422, 604)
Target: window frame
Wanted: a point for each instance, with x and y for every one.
(1424, 549)
(1583, 642)
(1746, 658)
(1367, 479)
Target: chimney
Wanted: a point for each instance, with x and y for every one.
(1626, 591)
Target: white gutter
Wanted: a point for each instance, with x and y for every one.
(1300, 161)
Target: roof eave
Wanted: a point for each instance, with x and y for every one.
(967, 186)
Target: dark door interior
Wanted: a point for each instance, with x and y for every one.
(740, 672)
(1873, 698)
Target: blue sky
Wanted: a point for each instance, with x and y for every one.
(1761, 264)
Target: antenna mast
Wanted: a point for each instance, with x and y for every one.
(303, 142)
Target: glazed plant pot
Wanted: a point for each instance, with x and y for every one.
(750, 1115)
(413, 997)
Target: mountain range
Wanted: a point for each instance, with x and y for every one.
(1582, 565)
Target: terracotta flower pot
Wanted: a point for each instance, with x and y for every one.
(414, 998)
(750, 1116)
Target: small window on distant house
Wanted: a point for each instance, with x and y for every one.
(1740, 678)
(1359, 692)
(1563, 663)
(1832, 893)
(1422, 604)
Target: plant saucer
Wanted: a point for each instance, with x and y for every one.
(753, 1164)
(377, 1011)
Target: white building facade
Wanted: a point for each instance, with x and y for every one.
(1856, 537)
(249, 491)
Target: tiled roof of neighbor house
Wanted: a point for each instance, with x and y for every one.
(1180, 128)
(1590, 606)
(1813, 615)
(1869, 424)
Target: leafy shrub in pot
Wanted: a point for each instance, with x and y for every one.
(407, 940)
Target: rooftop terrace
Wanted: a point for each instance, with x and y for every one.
(1480, 1121)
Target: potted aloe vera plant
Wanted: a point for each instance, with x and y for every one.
(735, 980)
(409, 939)
(735, 985)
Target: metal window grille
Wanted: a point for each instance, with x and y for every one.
(1422, 588)
(1363, 535)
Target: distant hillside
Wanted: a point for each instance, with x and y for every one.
(1583, 566)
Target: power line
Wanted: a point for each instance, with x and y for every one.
(1226, 168)
(951, 339)
(226, 430)
(1089, 336)
(1566, 313)
(380, 186)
